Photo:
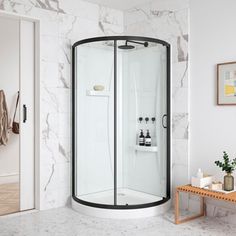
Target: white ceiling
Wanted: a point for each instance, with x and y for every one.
(119, 4)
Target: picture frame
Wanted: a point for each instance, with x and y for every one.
(226, 83)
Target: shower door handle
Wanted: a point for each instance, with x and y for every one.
(24, 113)
(163, 121)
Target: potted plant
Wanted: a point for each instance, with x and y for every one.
(228, 166)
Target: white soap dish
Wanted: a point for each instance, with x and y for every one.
(98, 93)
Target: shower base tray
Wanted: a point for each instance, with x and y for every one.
(124, 196)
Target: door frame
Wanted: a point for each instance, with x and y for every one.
(36, 22)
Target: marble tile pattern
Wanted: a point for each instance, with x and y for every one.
(66, 21)
(64, 221)
(168, 20)
(62, 22)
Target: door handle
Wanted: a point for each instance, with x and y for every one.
(163, 123)
(24, 113)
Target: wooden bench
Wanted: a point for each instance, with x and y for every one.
(202, 193)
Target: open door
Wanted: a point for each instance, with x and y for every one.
(17, 114)
(27, 62)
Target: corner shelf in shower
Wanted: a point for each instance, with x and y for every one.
(145, 148)
(98, 93)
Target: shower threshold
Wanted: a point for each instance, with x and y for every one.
(125, 196)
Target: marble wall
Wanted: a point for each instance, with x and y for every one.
(168, 20)
(66, 21)
(62, 23)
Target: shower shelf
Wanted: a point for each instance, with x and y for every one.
(145, 148)
(98, 93)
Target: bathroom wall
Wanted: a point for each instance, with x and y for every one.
(9, 82)
(62, 23)
(168, 20)
(212, 127)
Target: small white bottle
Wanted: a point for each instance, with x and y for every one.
(199, 173)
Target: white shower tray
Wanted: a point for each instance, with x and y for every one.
(98, 93)
(145, 148)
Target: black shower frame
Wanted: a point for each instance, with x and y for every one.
(168, 166)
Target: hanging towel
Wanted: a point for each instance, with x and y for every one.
(3, 119)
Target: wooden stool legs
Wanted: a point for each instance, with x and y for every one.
(202, 210)
(177, 207)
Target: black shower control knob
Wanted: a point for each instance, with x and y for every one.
(146, 119)
(140, 119)
(153, 119)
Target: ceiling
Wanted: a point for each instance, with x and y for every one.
(119, 4)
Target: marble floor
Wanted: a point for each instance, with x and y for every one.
(66, 222)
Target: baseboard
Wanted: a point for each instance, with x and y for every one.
(9, 178)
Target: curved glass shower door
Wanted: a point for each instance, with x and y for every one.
(95, 122)
(142, 102)
(121, 85)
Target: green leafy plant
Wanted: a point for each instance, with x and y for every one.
(227, 165)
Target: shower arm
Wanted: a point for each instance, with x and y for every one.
(131, 41)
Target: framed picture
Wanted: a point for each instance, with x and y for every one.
(226, 83)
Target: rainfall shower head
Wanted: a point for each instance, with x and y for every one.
(126, 46)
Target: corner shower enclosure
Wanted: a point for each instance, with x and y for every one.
(121, 84)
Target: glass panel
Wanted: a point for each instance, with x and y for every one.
(141, 93)
(95, 122)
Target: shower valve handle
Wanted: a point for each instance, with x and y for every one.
(146, 119)
(140, 119)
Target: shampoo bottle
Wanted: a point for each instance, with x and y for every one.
(148, 140)
(141, 139)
